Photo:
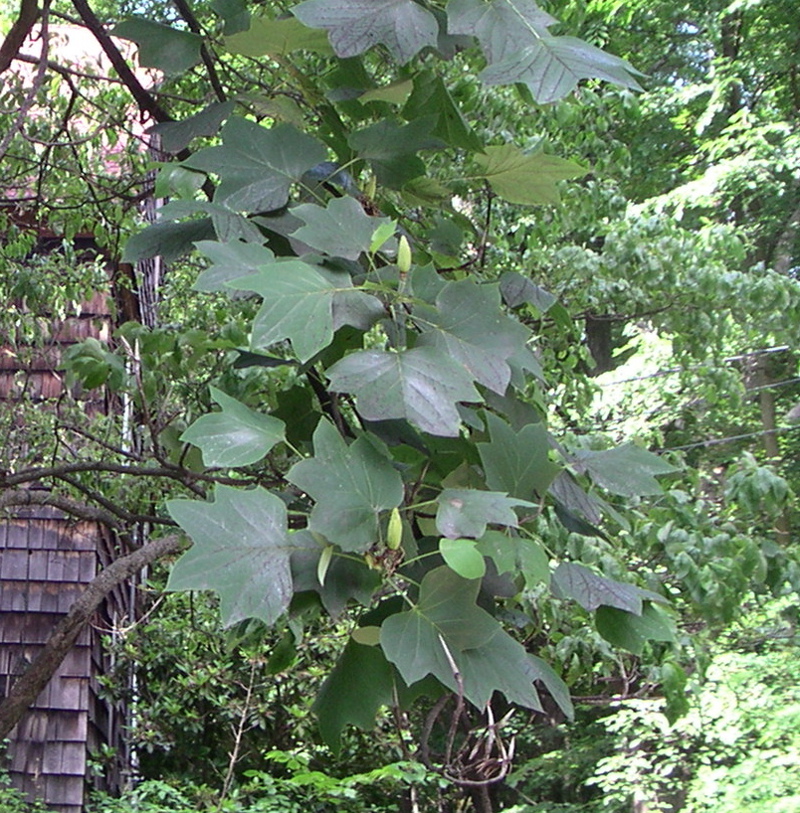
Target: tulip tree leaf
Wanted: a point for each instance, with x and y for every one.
(394, 93)
(502, 27)
(234, 13)
(167, 239)
(177, 135)
(350, 485)
(341, 229)
(298, 305)
(517, 463)
(627, 470)
(256, 166)
(241, 551)
(391, 148)
(430, 95)
(466, 512)
(354, 26)
(229, 261)
(528, 179)
(346, 578)
(590, 590)
(446, 615)
(518, 290)
(461, 556)
(446, 607)
(160, 46)
(631, 632)
(237, 436)
(277, 38)
(421, 385)
(469, 326)
(543, 672)
(551, 67)
(516, 554)
(361, 682)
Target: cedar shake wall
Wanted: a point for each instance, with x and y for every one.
(46, 559)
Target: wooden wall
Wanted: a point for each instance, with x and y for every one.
(46, 559)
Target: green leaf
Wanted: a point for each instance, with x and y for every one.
(501, 664)
(446, 615)
(234, 13)
(461, 556)
(368, 636)
(298, 305)
(351, 486)
(175, 181)
(590, 590)
(627, 470)
(384, 232)
(167, 49)
(431, 96)
(177, 135)
(346, 578)
(631, 632)
(360, 683)
(551, 67)
(237, 436)
(354, 26)
(421, 385)
(277, 38)
(516, 554)
(256, 166)
(517, 463)
(228, 225)
(340, 229)
(518, 290)
(241, 551)
(528, 179)
(394, 93)
(390, 149)
(469, 326)
(446, 608)
(559, 691)
(229, 261)
(466, 512)
(167, 239)
(502, 27)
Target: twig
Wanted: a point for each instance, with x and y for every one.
(239, 733)
(36, 84)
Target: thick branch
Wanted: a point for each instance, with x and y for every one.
(28, 12)
(24, 496)
(144, 99)
(29, 685)
(174, 473)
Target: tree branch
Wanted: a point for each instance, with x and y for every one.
(188, 15)
(144, 99)
(28, 14)
(29, 685)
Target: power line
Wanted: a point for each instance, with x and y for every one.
(717, 441)
(672, 370)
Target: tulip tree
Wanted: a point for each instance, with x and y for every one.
(395, 470)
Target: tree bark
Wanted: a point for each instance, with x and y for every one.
(30, 684)
(28, 14)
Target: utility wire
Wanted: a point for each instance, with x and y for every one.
(717, 441)
(673, 370)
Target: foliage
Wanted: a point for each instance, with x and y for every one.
(365, 403)
(13, 801)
